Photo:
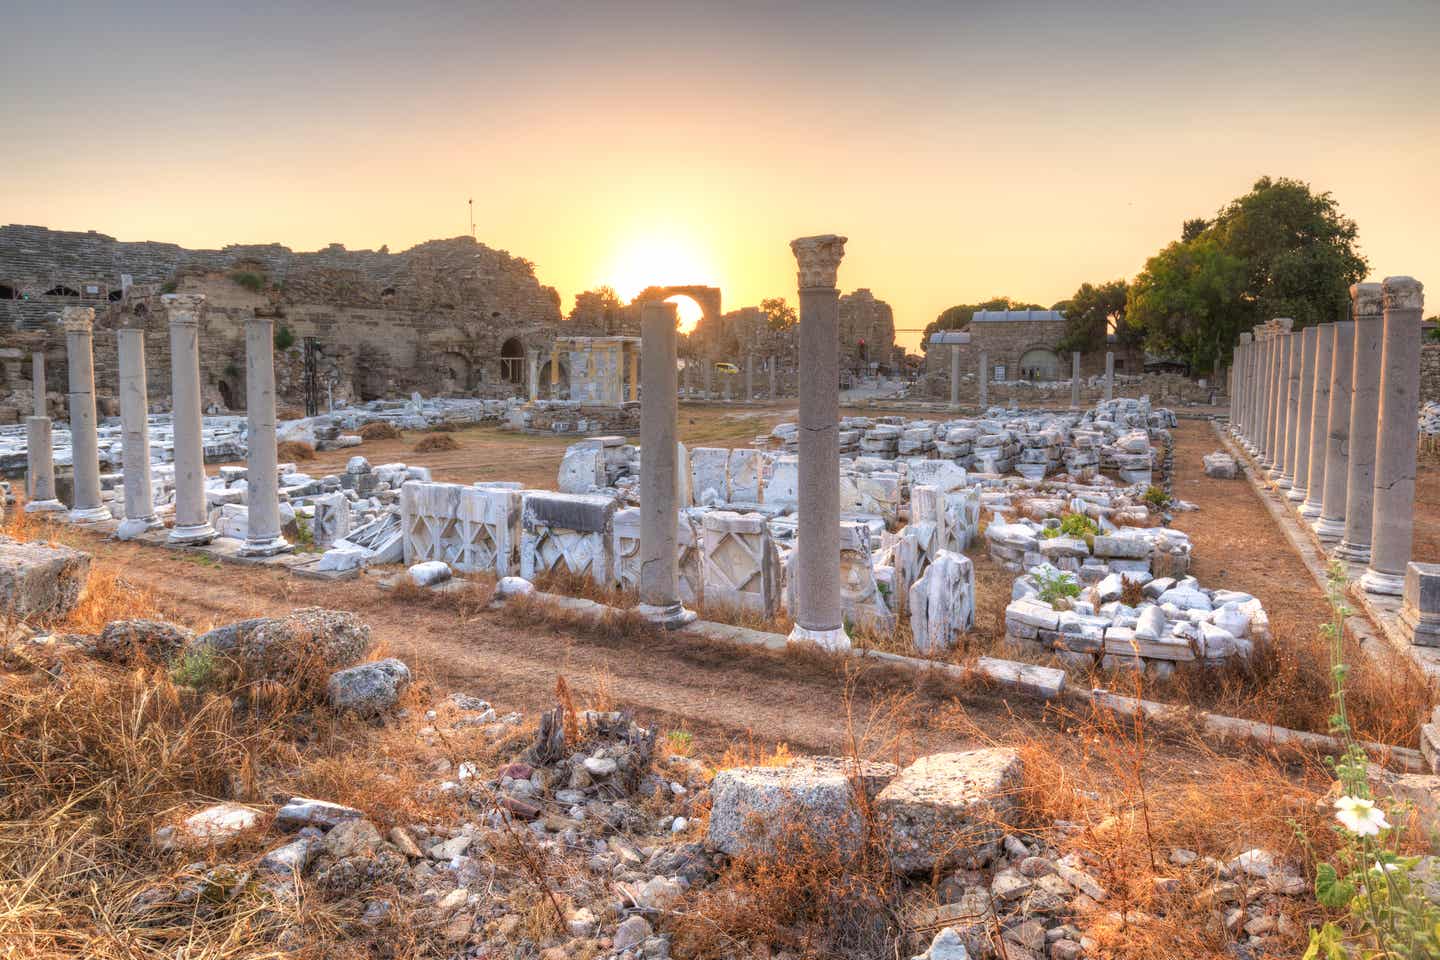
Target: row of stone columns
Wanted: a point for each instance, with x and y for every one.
(263, 536)
(1333, 412)
(984, 379)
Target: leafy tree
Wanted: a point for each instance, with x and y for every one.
(1193, 228)
(1093, 313)
(958, 316)
(595, 307)
(1280, 250)
(779, 314)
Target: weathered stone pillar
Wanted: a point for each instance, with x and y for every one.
(37, 376)
(1263, 398)
(1393, 529)
(1285, 351)
(1365, 301)
(709, 379)
(40, 456)
(84, 444)
(1074, 381)
(1331, 525)
(192, 525)
(1241, 398)
(659, 524)
(635, 372)
(774, 377)
(135, 424)
(749, 377)
(554, 371)
(817, 564)
(534, 375)
(1109, 375)
(1300, 455)
(954, 376)
(262, 531)
(1319, 420)
(984, 377)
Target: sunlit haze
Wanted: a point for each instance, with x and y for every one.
(966, 149)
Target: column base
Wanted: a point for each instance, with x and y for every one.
(1328, 529)
(191, 535)
(1387, 584)
(89, 515)
(45, 506)
(265, 548)
(1310, 510)
(1297, 494)
(834, 641)
(1355, 553)
(1424, 629)
(671, 616)
(132, 527)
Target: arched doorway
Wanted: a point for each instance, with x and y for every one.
(454, 372)
(1039, 363)
(228, 395)
(60, 290)
(7, 292)
(512, 361)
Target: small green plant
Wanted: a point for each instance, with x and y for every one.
(248, 279)
(1157, 497)
(304, 536)
(169, 286)
(680, 742)
(1056, 585)
(284, 338)
(198, 668)
(1389, 914)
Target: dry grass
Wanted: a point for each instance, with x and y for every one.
(379, 430)
(436, 443)
(294, 450)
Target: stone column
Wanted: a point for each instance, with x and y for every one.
(37, 373)
(1263, 397)
(954, 376)
(635, 372)
(135, 424)
(659, 525)
(1319, 420)
(774, 375)
(984, 377)
(818, 616)
(1331, 524)
(554, 371)
(1365, 300)
(1393, 528)
(39, 453)
(192, 525)
(534, 375)
(1109, 375)
(709, 379)
(84, 444)
(1284, 352)
(262, 530)
(1300, 454)
(1241, 395)
(1074, 381)
(749, 377)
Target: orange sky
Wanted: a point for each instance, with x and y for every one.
(967, 150)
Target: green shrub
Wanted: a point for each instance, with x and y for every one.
(1157, 497)
(251, 281)
(1058, 585)
(198, 668)
(1075, 525)
(284, 338)
(169, 286)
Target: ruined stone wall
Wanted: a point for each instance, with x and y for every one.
(1007, 342)
(867, 330)
(1430, 372)
(447, 316)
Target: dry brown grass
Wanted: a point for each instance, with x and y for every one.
(379, 430)
(294, 450)
(444, 427)
(436, 443)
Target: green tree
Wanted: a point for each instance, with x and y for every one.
(958, 316)
(1093, 313)
(1193, 228)
(595, 307)
(1189, 300)
(779, 314)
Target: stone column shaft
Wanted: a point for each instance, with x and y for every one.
(635, 372)
(984, 372)
(1262, 412)
(1279, 404)
(40, 457)
(1109, 376)
(774, 374)
(659, 526)
(749, 377)
(135, 423)
(37, 376)
(262, 532)
(1300, 458)
(534, 378)
(192, 525)
(1074, 381)
(1365, 301)
(1331, 524)
(818, 617)
(1393, 527)
(84, 442)
(954, 376)
(1319, 420)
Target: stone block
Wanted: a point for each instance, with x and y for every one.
(942, 603)
(474, 529)
(1420, 599)
(1221, 466)
(40, 580)
(951, 809)
(332, 519)
(740, 563)
(744, 475)
(709, 468)
(582, 469)
(567, 533)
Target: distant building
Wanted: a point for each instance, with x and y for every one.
(1019, 345)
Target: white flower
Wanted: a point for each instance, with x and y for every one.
(1360, 816)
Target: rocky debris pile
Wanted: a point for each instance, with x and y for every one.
(340, 428)
(223, 437)
(1131, 620)
(1134, 551)
(573, 416)
(1221, 466)
(1430, 418)
(40, 580)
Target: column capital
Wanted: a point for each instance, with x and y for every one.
(1284, 324)
(1246, 337)
(1366, 299)
(819, 259)
(183, 308)
(1403, 293)
(78, 319)
(259, 320)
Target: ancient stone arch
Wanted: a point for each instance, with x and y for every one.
(512, 360)
(707, 297)
(1041, 358)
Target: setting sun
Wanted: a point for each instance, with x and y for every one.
(660, 259)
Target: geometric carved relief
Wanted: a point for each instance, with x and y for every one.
(473, 529)
(740, 562)
(568, 533)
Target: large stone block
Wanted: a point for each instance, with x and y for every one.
(709, 469)
(942, 603)
(474, 529)
(332, 518)
(752, 808)
(582, 469)
(741, 566)
(950, 809)
(40, 580)
(567, 533)
(1420, 613)
(744, 474)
